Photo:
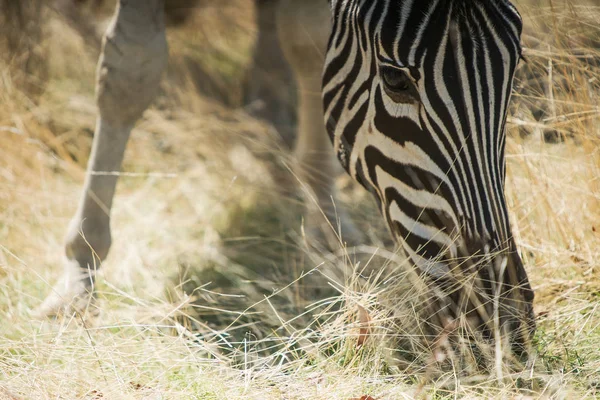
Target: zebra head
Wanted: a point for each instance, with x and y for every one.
(415, 96)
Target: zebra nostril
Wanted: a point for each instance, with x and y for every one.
(395, 79)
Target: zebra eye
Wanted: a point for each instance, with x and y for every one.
(395, 79)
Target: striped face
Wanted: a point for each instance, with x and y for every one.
(415, 97)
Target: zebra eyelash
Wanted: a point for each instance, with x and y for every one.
(412, 73)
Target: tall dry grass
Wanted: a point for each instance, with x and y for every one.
(208, 291)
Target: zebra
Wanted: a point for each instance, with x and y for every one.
(415, 97)
(414, 94)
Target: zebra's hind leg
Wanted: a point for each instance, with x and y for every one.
(304, 28)
(268, 91)
(134, 54)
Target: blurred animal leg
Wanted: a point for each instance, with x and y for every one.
(304, 28)
(134, 54)
(268, 91)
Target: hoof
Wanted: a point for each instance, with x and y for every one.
(72, 294)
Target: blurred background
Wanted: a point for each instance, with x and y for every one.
(207, 219)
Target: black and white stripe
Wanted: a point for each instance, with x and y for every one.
(415, 97)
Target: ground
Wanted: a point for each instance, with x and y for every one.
(210, 291)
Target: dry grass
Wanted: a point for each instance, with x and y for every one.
(197, 225)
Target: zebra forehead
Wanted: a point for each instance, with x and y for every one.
(405, 28)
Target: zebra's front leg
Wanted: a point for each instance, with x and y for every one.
(134, 54)
(303, 28)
